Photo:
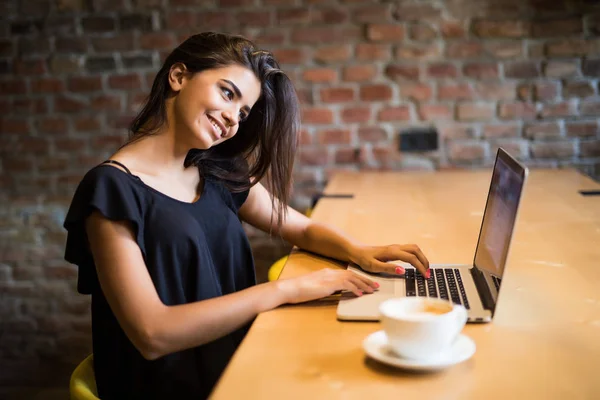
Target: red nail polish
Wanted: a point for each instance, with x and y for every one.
(428, 275)
(376, 284)
(399, 270)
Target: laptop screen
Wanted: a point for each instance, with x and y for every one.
(500, 214)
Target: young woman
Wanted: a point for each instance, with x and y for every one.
(156, 229)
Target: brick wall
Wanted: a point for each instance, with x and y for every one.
(522, 74)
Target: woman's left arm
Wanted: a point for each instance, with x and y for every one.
(326, 240)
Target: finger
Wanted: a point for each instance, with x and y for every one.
(416, 250)
(351, 287)
(361, 284)
(387, 268)
(414, 261)
(366, 280)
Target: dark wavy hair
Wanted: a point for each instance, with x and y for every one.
(265, 143)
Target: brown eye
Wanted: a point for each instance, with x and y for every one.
(228, 93)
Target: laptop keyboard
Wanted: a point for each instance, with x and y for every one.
(445, 283)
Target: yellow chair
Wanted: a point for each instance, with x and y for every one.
(83, 382)
(277, 267)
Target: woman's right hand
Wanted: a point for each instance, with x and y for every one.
(323, 283)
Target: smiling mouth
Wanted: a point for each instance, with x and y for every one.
(218, 128)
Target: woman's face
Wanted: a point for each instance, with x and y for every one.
(210, 105)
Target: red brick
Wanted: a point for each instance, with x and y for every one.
(121, 122)
(126, 82)
(269, 37)
(385, 32)
(356, 114)
(317, 116)
(500, 29)
(347, 156)
(52, 125)
(579, 90)
(318, 35)
(464, 49)
(69, 145)
(331, 54)
(421, 32)
(30, 144)
(591, 67)
(553, 150)
(457, 131)
(377, 92)
(180, 20)
(29, 67)
(65, 64)
(320, 75)
(402, 72)
(399, 113)
(289, 55)
(474, 111)
(418, 51)
(442, 70)
(500, 131)
(337, 95)
(526, 91)
(504, 49)
(417, 12)
(236, 3)
(481, 70)
(86, 124)
(358, 73)
(53, 164)
(590, 149)
(218, 19)
(417, 91)
(373, 52)
(545, 91)
(561, 69)
(29, 106)
(293, 16)
(453, 29)
(108, 142)
(331, 15)
(106, 102)
(334, 136)
(304, 137)
(522, 70)
(85, 84)
(590, 107)
(542, 130)
(567, 48)
(466, 152)
(313, 156)
(371, 134)
(435, 112)
(372, 13)
(564, 109)
(13, 86)
(305, 96)
(518, 110)
(496, 90)
(13, 125)
(121, 42)
(582, 129)
(47, 85)
(254, 18)
(558, 27)
(69, 105)
(157, 41)
(16, 165)
(455, 91)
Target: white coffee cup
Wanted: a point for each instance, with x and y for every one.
(421, 327)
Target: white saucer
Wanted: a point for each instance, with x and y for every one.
(376, 346)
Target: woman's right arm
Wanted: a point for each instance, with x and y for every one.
(156, 329)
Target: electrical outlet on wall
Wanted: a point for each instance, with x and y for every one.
(418, 139)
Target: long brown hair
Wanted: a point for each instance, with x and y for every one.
(265, 144)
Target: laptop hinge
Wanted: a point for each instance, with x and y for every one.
(482, 288)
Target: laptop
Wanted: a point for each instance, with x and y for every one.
(474, 286)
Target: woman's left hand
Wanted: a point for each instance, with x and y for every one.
(374, 258)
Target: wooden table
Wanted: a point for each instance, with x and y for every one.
(544, 341)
